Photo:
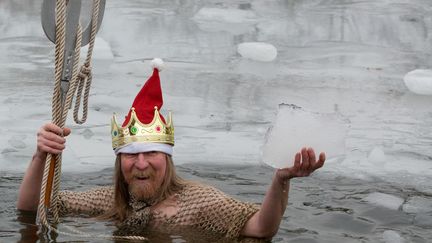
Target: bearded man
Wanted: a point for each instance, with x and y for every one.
(147, 193)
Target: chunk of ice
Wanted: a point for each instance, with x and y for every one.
(419, 81)
(295, 128)
(391, 236)
(225, 15)
(234, 21)
(258, 51)
(384, 200)
(377, 155)
(418, 205)
(423, 220)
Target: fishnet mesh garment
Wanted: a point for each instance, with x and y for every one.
(202, 207)
(92, 203)
(209, 209)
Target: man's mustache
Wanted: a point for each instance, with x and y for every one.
(150, 174)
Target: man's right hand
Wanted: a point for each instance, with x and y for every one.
(50, 139)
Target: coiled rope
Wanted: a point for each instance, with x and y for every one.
(81, 80)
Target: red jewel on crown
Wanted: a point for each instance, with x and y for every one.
(158, 129)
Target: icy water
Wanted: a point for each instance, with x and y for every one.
(322, 208)
(345, 57)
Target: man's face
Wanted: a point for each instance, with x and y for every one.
(144, 173)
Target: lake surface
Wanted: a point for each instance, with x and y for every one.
(341, 57)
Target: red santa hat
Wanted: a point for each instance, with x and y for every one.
(144, 128)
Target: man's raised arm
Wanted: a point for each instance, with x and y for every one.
(265, 223)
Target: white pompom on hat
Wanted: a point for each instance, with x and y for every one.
(158, 64)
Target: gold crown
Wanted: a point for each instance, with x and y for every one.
(135, 131)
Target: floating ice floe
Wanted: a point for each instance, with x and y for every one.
(225, 15)
(391, 236)
(423, 220)
(377, 155)
(419, 81)
(258, 51)
(384, 200)
(417, 205)
(235, 21)
(295, 128)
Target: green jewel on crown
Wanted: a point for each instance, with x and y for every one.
(133, 130)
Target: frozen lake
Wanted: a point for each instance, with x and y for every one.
(341, 57)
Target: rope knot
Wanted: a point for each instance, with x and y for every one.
(85, 71)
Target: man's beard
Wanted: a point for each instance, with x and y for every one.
(143, 190)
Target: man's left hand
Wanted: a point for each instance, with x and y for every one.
(304, 164)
